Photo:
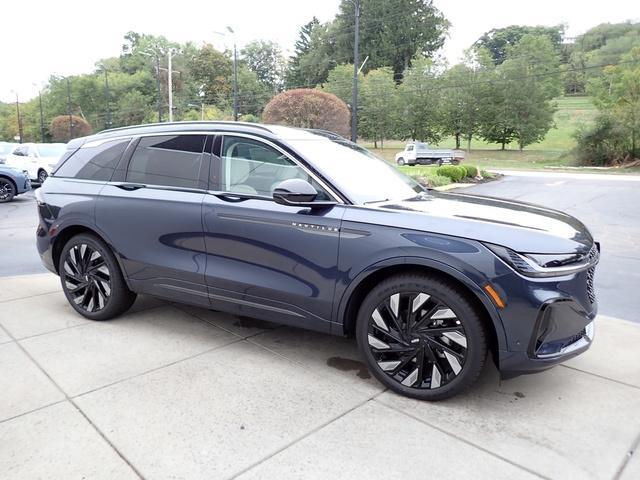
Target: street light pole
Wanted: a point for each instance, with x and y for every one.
(235, 76)
(356, 62)
(41, 117)
(69, 109)
(19, 118)
(108, 121)
(170, 84)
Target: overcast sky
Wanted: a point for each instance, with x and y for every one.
(38, 38)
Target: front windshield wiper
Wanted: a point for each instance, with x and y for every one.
(376, 201)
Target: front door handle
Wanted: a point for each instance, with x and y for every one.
(130, 186)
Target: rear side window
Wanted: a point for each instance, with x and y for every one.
(169, 160)
(93, 163)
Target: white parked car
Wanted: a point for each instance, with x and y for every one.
(5, 149)
(38, 159)
(418, 153)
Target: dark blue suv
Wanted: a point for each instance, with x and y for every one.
(305, 228)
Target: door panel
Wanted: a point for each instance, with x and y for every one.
(272, 261)
(158, 234)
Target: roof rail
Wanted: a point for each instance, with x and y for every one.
(184, 123)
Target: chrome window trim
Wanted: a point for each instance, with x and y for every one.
(323, 184)
(330, 190)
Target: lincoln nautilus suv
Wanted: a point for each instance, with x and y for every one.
(304, 228)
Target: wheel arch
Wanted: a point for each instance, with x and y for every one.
(70, 231)
(358, 288)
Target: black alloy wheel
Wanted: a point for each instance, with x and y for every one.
(421, 337)
(7, 190)
(42, 176)
(92, 280)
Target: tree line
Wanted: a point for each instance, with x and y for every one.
(501, 92)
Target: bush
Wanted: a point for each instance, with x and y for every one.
(470, 170)
(454, 172)
(438, 181)
(309, 108)
(605, 143)
(59, 128)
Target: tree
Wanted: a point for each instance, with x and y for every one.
(293, 75)
(377, 114)
(419, 102)
(212, 71)
(340, 82)
(264, 58)
(308, 108)
(253, 95)
(392, 32)
(320, 58)
(499, 40)
(61, 131)
(530, 83)
(462, 97)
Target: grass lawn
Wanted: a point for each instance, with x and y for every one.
(553, 151)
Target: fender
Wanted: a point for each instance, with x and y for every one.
(425, 262)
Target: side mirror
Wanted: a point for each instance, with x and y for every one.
(296, 192)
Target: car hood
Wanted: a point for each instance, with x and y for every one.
(523, 227)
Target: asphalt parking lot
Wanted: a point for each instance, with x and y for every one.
(172, 391)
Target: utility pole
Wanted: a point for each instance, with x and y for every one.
(356, 62)
(170, 84)
(69, 109)
(41, 117)
(235, 76)
(108, 122)
(159, 88)
(19, 118)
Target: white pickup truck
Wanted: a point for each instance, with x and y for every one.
(418, 153)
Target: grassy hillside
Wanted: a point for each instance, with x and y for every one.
(554, 150)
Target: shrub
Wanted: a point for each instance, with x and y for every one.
(605, 143)
(470, 170)
(309, 108)
(454, 172)
(438, 181)
(59, 128)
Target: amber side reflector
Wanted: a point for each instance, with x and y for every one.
(494, 296)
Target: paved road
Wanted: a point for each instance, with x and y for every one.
(608, 205)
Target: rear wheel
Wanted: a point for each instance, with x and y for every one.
(92, 280)
(421, 337)
(7, 190)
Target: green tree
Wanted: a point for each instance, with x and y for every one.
(293, 75)
(212, 71)
(340, 82)
(377, 115)
(264, 58)
(315, 64)
(499, 40)
(419, 102)
(462, 98)
(392, 32)
(253, 95)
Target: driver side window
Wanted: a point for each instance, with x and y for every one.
(251, 167)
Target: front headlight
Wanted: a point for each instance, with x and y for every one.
(542, 265)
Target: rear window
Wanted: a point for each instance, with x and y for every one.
(93, 163)
(168, 160)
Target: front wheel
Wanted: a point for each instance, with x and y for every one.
(42, 176)
(401, 161)
(421, 337)
(7, 190)
(92, 280)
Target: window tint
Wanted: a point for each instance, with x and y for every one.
(252, 167)
(172, 160)
(94, 163)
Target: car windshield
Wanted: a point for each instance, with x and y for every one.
(355, 171)
(51, 149)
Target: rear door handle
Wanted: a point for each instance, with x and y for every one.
(130, 186)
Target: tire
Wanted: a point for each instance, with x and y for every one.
(7, 190)
(440, 162)
(92, 280)
(401, 161)
(421, 361)
(42, 176)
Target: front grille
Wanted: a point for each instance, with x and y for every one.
(591, 293)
